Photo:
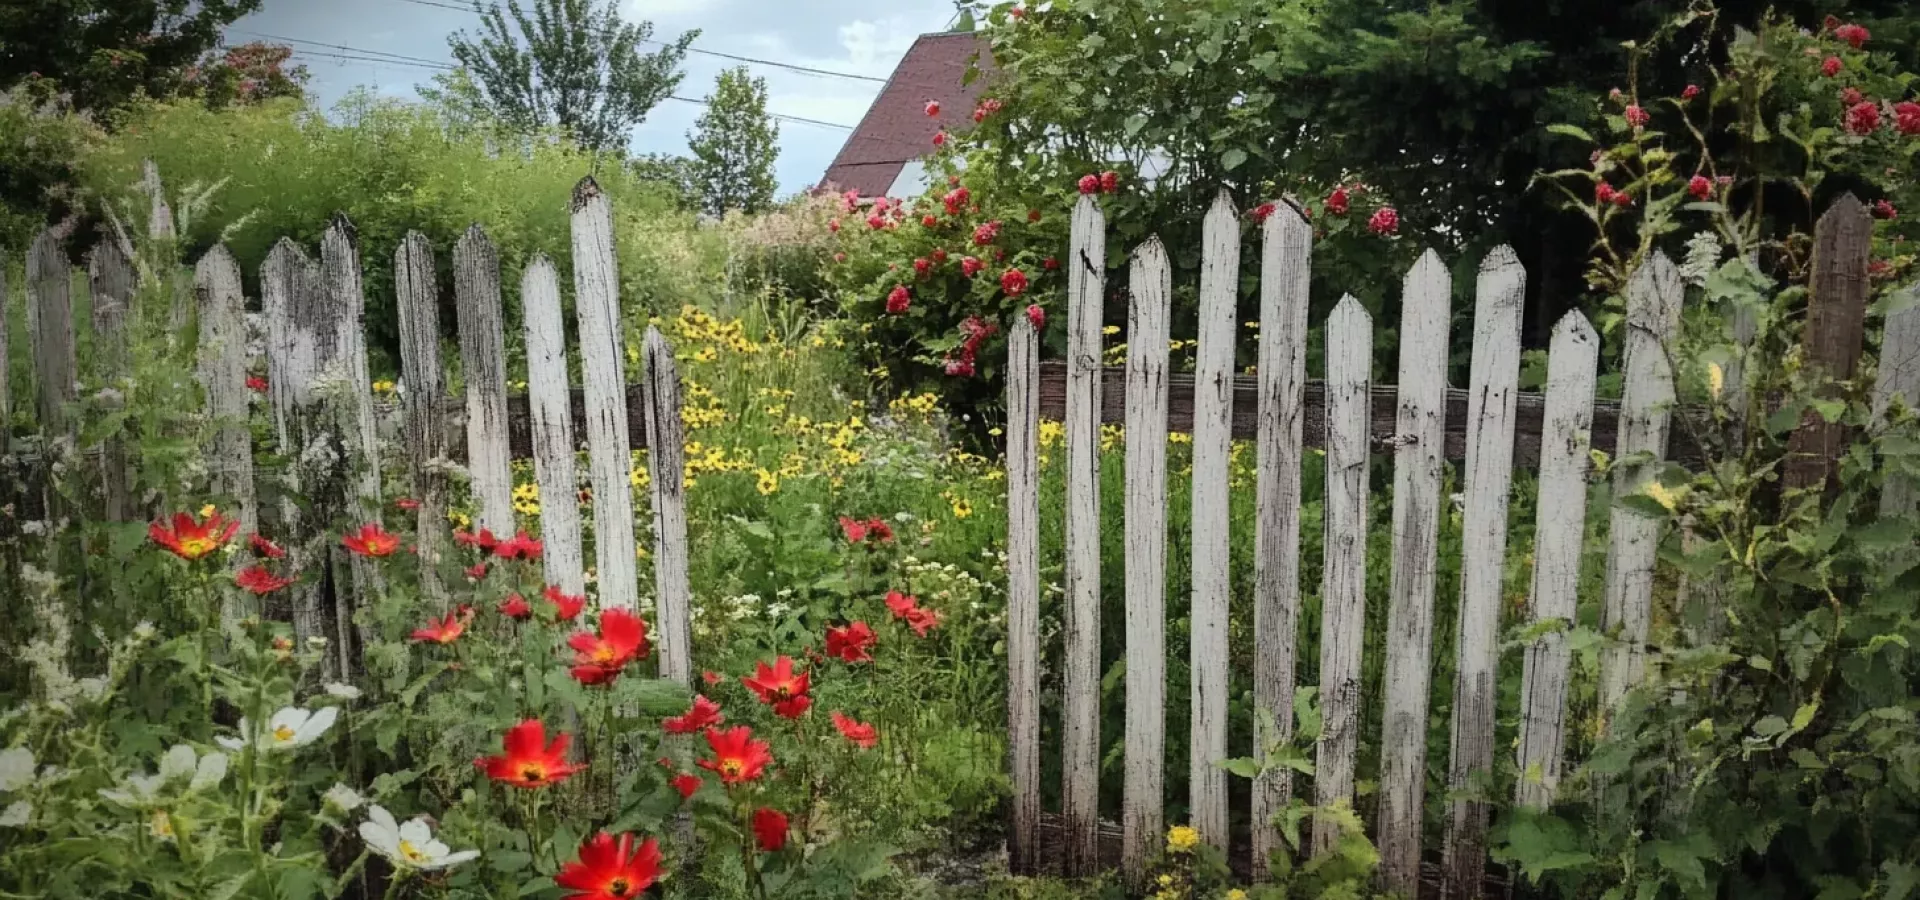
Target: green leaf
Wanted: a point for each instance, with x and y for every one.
(1135, 122)
(1803, 716)
(1244, 767)
(536, 886)
(1232, 159)
(1807, 759)
(509, 861)
(1573, 131)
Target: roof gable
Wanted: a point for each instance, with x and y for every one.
(896, 128)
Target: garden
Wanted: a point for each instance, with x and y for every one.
(169, 729)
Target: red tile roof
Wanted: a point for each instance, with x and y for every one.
(896, 128)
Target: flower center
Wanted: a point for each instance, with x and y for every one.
(603, 654)
(411, 853)
(283, 734)
(533, 774)
(162, 824)
(196, 547)
(732, 768)
(618, 888)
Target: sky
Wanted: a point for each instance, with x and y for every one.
(859, 37)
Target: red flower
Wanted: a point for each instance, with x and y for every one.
(922, 265)
(1089, 184)
(1033, 215)
(1337, 201)
(1014, 282)
(1883, 209)
(780, 687)
(1855, 35)
(1603, 192)
(1260, 213)
(1831, 66)
(970, 266)
(737, 757)
(440, 631)
(1863, 118)
(598, 659)
(712, 678)
(565, 606)
(986, 233)
(850, 199)
(929, 221)
(769, 829)
(1109, 182)
(1879, 269)
(407, 503)
(529, 761)
(265, 547)
(839, 257)
(1850, 96)
(862, 734)
(686, 783)
(851, 643)
(933, 108)
(855, 530)
(1050, 264)
(523, 547)
(1699, 187)
(371, 540)
(876, 221)
(1906, 117)
(939, 255)
(1037, 316)
(899, 299)
(1692, 91)
(961, 367)
(922, 620)
(515, 607)
(1384, 221)
(956, 200)
(879, 531)
(256, 384)
(1636, 116)
(191, 540)
(1018, 12)
(939, 138)
(262, 582)
(833, 225)
(1622, 199)
(611, 869)
(702, 715)
(901, 605)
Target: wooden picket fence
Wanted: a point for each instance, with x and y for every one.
(324, 412)
(1490, 428)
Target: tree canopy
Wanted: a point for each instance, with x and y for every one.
(103, 53)
(734, 145)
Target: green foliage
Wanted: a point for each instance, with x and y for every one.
(573, 64)
(39, 140)
(249, 73)
(734, 145)
(105, 53)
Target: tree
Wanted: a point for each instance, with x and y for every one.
(734, 145)
(250, 73)
(103, 53)
(574, 64)
(673, 174)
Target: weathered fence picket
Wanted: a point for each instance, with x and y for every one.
(418, 304)
(1494, 383)
(6, 397)
(110, 283)
(483, 367)
(603, 367)
(1142, 816)
(666, 454)
(1080, 751)
(549, 408)
(1419, 467)
(1212, 445)
(223, 375)
(50, 329)
(1899, 378)
(1023, 593)
(1834, 336)
(1343, 590)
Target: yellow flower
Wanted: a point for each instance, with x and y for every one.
(459, 519)
(1166, 880)
(207, 511)
(1663, 495)
(769, 482)
(962, 508)
(383, 387)
(1182, 838)
(161, 826)
(637, 476)
(1236, 893)
(1110, 329)
(1716, 379)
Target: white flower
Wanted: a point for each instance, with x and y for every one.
(343, 798)
(409, 846)
(179, 763)
(144, 630)
(289, 728)
(16, 815)
(16, 768)
(343, 691)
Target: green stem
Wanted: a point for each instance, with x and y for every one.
(393, 884)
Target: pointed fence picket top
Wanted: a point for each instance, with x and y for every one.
(50, 330)
(1566, 438)
(483, 366)
(418, 304)
(666, 443)
(1899, 379)
(1419, 463)
(1023, 594)
(1834, 336)
(1142, 817)
(603, 368)
(1343, 591)
(1494, 385)
(550, 416)
(1212, 447)
(1285, 272)
(110, 279)
(1080, 753)
(1646, 408)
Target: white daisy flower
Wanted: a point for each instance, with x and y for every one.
(180, 763)
(409, 846)
(289, 728)
(343, 798)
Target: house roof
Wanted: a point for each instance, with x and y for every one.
(896, 128)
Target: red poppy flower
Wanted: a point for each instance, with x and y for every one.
(900, 604)
(260, 581)
(521, 547)
(565, 606)
(441, 631)
(529, 761)
(191, 540)
(686, 783)
(407, 503)
(256, 384)
(780, 687)
(702, 715)
(371, 540)
(923, 620)
(598, 659)
(770, 829)
(611, 869)
(878, 530)
(711, 677)
(862, 734)
(265, 547)
(485, 540)
(515, 607)
(737, 757)
(851, 643)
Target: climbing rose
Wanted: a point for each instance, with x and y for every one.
(929, 221)
(1014, 282)
(1337, 201)
(922, 266)
(939, 138)
(839, 257)
(956, 200)
(529, 761)
(933, 107)
(1831, 66)
(769, 829)
(1883, 209)
(1384, 221)
(1089, 184)
(1109, 182)
(986, 233)
(1699, 187)
(1906, 118)
(1850, 96)
(960, 368)
(833, 225)
(1037, 316)
(1855, 35)
(1863, 118)
(1603, 192)
(899, 299)
(939, 255)
(1636, 116)
(970, 266)
(1018, 12)
(1692, 91)
(1033, 215)
(1050, 264)
(1260, 213)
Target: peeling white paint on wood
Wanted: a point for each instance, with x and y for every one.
(1211, 566)
(549, 407)
(1142, 818)
(1899, 377)
(1343, 591)
(425, 405)
(1080, 753)
(603, 367)
(483, 366)
(666, 443)
(1023, 594)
